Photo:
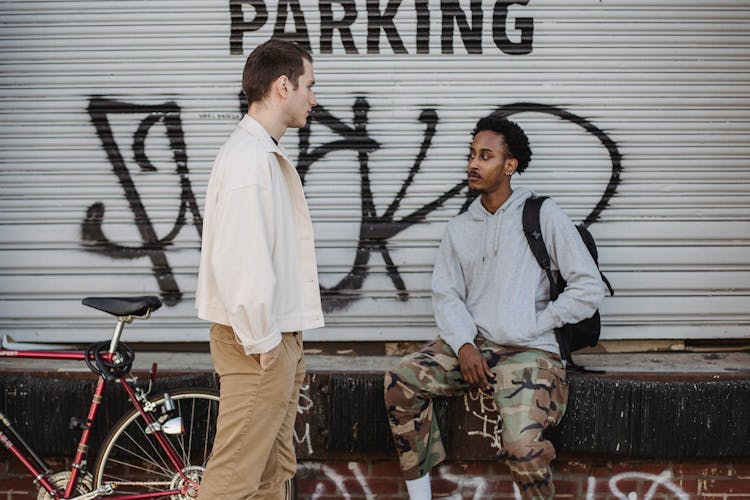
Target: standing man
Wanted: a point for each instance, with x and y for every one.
(495, 322)
(258, 281)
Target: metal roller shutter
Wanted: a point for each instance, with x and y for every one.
(638, 112)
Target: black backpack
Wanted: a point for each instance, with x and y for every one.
(570, 337)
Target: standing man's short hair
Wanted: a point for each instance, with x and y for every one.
(514, 136)
(267, 62)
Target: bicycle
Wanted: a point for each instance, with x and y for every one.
(157, 449)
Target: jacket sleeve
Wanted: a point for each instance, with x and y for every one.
(243, 267)
(455, 324)
(584, 291)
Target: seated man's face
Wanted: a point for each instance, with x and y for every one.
(488, 162)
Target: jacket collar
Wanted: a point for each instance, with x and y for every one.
(517, 198)
(254, 128)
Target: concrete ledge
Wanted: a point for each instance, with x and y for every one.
(670, 405)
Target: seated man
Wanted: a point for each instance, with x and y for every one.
(495, 321)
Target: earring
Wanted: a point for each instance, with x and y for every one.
(508, 173)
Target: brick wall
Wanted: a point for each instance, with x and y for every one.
(576, 478)
(624, 436)
(15, 482)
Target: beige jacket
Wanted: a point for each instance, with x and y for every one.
(257, 270)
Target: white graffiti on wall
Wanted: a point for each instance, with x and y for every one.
(489, 426)
(664, 479)
(487, 414)
(304, 405)
(465, 484)
(482, 407)
(340, 482)
(476, 487)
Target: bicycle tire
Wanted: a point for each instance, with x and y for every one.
(131, 460)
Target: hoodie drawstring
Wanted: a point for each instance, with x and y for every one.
(484, 232)
(495, 233)
(496, 239)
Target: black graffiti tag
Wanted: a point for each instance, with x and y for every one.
(153, 247)
(614, 154)
(376, 230)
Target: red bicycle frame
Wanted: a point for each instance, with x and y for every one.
(40, 473)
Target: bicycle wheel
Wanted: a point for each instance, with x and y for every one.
(133, 462)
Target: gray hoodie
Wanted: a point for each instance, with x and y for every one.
(487, 281)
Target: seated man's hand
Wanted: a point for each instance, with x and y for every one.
(474, 367)
(267, 358)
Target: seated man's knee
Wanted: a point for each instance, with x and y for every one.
(398, 390)
(393, 388)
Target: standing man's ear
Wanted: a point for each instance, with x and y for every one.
(282, 85)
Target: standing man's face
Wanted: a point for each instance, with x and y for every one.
(300, 101)
(489, 162)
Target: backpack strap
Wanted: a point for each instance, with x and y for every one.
(588, 240)
(532, 228)
(606, 282)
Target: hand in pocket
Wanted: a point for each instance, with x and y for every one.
(267, 358)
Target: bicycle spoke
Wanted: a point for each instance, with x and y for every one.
(190, 437)
(166, 466)
(164, 472)
(181, 438)
(130, 465)
(146, 456)
(208, 434)
(192, 427)
(136, 461)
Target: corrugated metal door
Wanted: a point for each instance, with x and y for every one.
(637, 111)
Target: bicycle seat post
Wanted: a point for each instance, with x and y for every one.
(121, 321)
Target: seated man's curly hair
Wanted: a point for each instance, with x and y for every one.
(514, 136)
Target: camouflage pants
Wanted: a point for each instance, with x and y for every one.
(529, 391)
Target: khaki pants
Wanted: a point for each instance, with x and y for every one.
(253, 452)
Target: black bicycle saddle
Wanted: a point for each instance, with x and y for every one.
(124, 306)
